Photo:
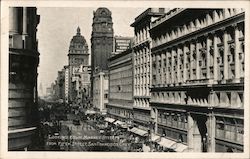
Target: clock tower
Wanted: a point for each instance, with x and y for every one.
(101, 41)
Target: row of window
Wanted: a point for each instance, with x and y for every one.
(230, 129)
(196, 24)
(172, 119)
(169, 67)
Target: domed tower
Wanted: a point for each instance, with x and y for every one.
(101, 41)
(78, 57)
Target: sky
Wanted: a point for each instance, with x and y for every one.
(57, 27)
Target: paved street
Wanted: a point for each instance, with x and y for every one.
(83, 137)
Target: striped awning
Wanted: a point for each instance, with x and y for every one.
(138, 131)
(166, 142)
(155, 138)
(121, 124)
(179, 147)
(110, 120)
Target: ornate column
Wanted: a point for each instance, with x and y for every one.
(236, 52)
(157, 68)
(225, 67)
(192, 50)
(185, 50)
(211, 132)
(197, 60)
(172, 66)
(208, 55)
(190, 141)
(167, 78)
(215, 52)
(162, 66)
(178, 64)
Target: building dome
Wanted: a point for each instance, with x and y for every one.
(102, 12)
(78, 43)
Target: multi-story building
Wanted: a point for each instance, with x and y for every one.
(78, 55)
(101, 42)
(121, 44)
(66, 84)
(120, 103)
(60, 85)
(142, 65)
(100, 91)
(23, 63)
(198, 79)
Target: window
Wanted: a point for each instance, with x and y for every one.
(105, 96)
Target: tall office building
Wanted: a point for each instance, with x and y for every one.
(78, 56)
(101, 41)
(23, 63)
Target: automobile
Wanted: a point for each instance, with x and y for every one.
(76, 122)
(101, 131)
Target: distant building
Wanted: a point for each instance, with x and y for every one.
(78, 56)
(120, 103)
(41, 93)
(121, 44)
(66, 84)
(23, 62)
(100, 91)
(60, 85)
(101, 42)
(142, 65)
(198, 79)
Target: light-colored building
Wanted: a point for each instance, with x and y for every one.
(142, 65)
(78, 57)
(100, 91)
(23, 63)
(120, 103)
(66, 84)
(198, 79)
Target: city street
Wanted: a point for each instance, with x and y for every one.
(82, 137)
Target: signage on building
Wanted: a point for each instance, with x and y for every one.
(122, 44)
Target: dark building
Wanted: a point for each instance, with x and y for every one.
(101, 41)
(23, 63)
(78, 55)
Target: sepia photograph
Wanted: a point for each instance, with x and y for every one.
(122, 79)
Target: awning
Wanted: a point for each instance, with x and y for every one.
(166, 142)
(110, 120)
(179, 147)
(90, 112)
(139, 131)
(155, 138)
(120, 123)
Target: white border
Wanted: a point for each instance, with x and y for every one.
(132, 4)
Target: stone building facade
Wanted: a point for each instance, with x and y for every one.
(101, 42)
(120, 103)
(23, 63)
(78, 57)
(142, 65)
(100, 91)
(198, 78)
